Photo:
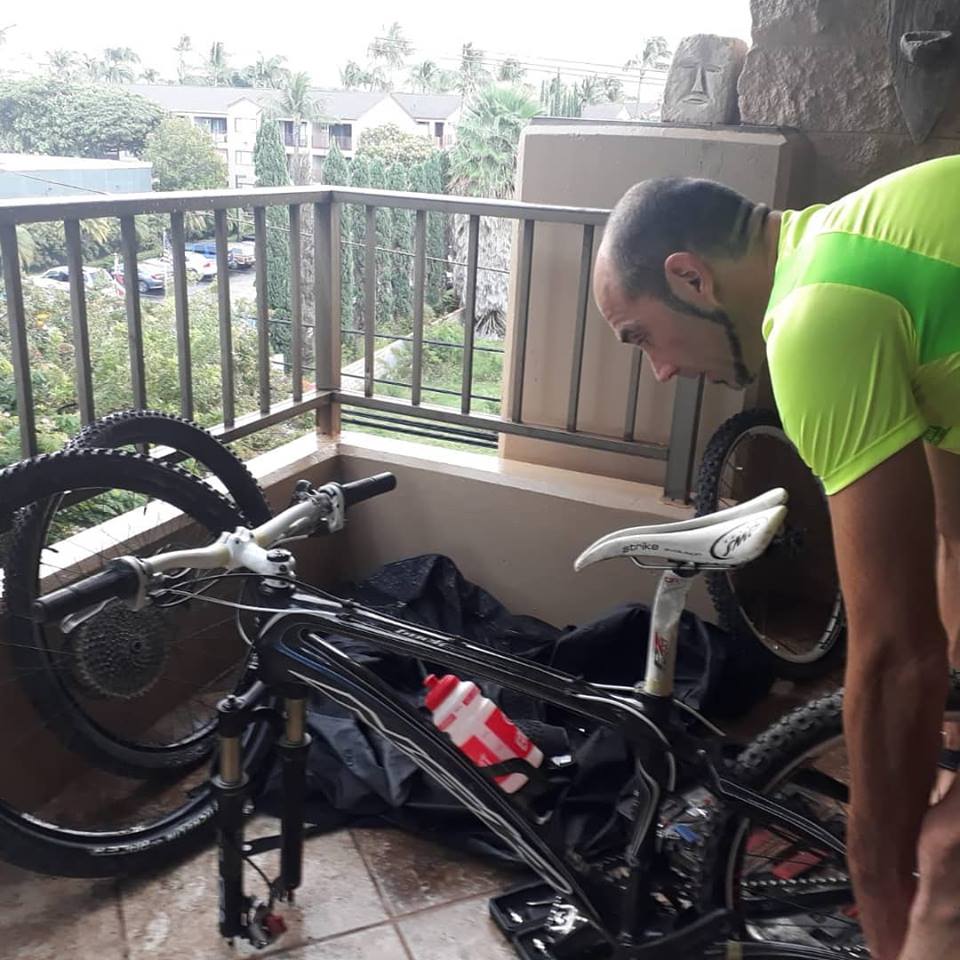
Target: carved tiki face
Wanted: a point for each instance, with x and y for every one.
(702, 83)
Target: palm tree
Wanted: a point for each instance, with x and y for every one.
(472, 73)
(483, 160)
(118, 63)
(216, 67)
(428, 77)
(297, 103)
(26, 245)
(352, 75)
(592, 90)
(63, 63)
(654, 55)
(483, 164)
(612, 88)
(92, 67)
(183, 47)
(388, 52)
(4, 31)
(268, 72)
(511, 71)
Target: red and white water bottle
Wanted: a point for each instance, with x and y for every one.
(479, 727)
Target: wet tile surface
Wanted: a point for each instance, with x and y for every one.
(458, 931)
(413, 873)
(175, 914)
(381, 943)
(52, 918)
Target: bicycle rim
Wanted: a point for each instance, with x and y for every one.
(789, 599)
(109, 724)
(785, 889)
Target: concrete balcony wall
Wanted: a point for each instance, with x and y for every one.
(513, 528)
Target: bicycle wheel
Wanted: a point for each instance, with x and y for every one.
(136, 427)
(114, 692)
(33, 540)
(788, 601)
(782, 886)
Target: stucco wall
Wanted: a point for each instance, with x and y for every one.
(822, 66)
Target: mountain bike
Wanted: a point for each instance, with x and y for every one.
(704, 858)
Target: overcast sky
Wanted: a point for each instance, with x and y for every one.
(319, 37)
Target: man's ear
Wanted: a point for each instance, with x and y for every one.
(686, 271)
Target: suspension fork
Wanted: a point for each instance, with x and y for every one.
(230, 785)
(293, 750)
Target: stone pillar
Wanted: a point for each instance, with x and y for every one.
(823, 67)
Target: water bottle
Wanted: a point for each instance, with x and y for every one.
(479, 727)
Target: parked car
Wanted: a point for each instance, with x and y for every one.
(199, 266)
(239, 255)
(58, 278)
(152, 275)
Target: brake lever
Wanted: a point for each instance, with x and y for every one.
(333, 494)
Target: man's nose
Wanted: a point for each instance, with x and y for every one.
(663, 371)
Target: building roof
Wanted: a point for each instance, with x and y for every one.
(190, 99)
(33, 162)
(612, 111)
(347, 104)
(429, 106)
(337, 104)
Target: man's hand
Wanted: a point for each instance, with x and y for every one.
(896, 682)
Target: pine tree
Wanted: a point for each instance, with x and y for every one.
(270, 164)
(401, 266)
(335, 172)
(436, 235)
(385, 308)
(359, 177)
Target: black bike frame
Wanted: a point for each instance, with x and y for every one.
(292, 648)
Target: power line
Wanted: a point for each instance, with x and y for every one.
(55, 183)
(545, 63)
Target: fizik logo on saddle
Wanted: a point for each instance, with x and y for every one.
(723, 546)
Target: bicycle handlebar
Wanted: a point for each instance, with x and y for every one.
(119, 579)
(123, 577)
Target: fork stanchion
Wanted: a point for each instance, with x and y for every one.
(293, 750)
(230, 784)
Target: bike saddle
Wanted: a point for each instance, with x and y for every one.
(727, 538)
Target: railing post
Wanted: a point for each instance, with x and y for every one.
(223, 314)
(683, 438)
(326, 279)
(177, 252)
(19, 355)
(296, 303)
(131, 294)
(78, 314)
(518, 348)
(369, 300)
(469, 312)
(263, 307)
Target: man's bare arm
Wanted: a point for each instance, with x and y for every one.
(896, 681)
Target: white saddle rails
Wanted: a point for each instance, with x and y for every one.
(721, 540)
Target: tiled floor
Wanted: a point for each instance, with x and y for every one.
(366, 894)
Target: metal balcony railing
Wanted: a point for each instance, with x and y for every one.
(323, 205)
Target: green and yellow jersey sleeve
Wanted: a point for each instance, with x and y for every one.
(863, 324)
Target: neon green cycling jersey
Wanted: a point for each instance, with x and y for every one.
(863, 324)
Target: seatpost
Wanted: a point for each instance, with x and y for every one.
(668, 606)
